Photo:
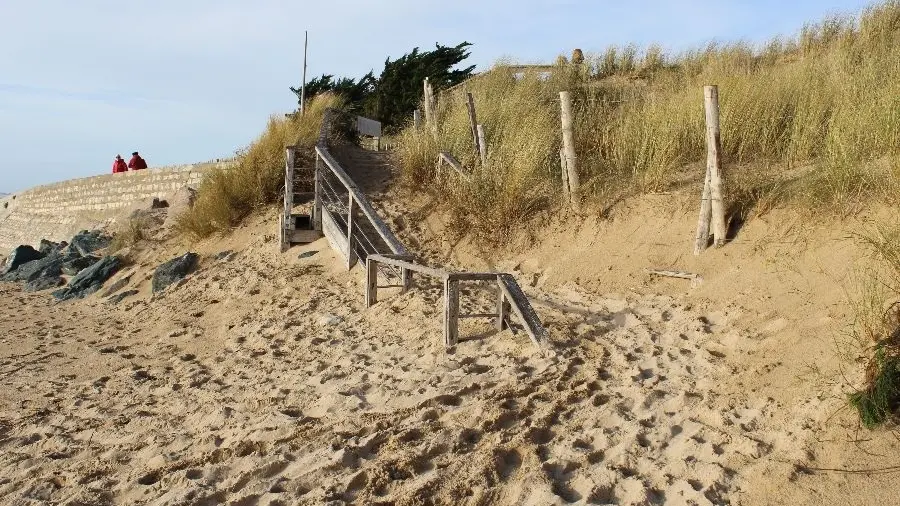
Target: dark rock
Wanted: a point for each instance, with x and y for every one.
(223, 255)
(75, 265)
(44, 283)
(90, 280)
(48, 247)
(307, 254)
(173, 270)
(49, 266)
(87, 242)
(21, 255)
(115, 299)
(158, 204)
(118, 285)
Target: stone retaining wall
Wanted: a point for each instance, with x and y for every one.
(57, 211)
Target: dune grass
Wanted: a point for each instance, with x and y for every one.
(227, 196)
(827, 100)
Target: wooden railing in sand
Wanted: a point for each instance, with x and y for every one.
(343, 213)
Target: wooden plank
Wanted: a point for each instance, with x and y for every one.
(436, 273)
(714, 163)
(701, 240)
(302, 236)
(364, 205)
(474, 276)
(451, 312)
(502, 321)
(473, 121)
(478, 315)
(565, 100)
(317, 203)
(520, 305)
(336, 236)
(282, 237)
(482, 145)
(447, 158)
(371, 281)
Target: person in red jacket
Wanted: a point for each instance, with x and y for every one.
(119, 165)
(136, 162)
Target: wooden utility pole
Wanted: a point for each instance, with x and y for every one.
(565, 100)
(303, 85)
(473, 121)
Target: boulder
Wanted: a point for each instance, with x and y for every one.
(87, 242)
(90, 280)
(21, 255)
(173, 270)
(73, 266)
(44, 283)
(47, 247)
(49, 266)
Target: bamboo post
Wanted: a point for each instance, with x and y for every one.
(714, 163)
(473, 121)
(482, 145)
(451, 312)
(702, 238)
(371, 282)
(565, 99)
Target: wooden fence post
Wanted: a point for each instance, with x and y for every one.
(565, 100)
(371, 282)
(714, 163)
(482, 145)
(565, 174)
(451, 312)
(702, 238)
(426, 98)
(503, 309)
(417, 119)
(351, 220)
(473, 122)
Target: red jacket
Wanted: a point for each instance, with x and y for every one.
(137, 163)
(119, 166)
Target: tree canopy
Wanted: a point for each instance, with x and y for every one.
(392, 97)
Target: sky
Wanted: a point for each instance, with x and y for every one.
(192, 80)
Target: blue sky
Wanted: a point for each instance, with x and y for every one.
(190, 80)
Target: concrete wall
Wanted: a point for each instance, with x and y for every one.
(57, 211)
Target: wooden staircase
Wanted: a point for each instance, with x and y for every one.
(297, 222)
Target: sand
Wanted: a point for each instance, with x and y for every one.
(263, 379)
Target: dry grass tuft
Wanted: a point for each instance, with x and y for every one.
(257, 179)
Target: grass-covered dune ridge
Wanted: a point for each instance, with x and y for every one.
(257, 178)
(827, 99)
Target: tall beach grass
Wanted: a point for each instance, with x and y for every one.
(826, 100)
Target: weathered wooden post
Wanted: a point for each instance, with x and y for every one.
(473, 122)
(565, 100)
(371, 282)
(565, 174)
(503, 309)
(317, 197)
(451, 312)
(714, 163)
(351, 220)
(482, 145)
(702, 238)
(426, 98)
(417, 119)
